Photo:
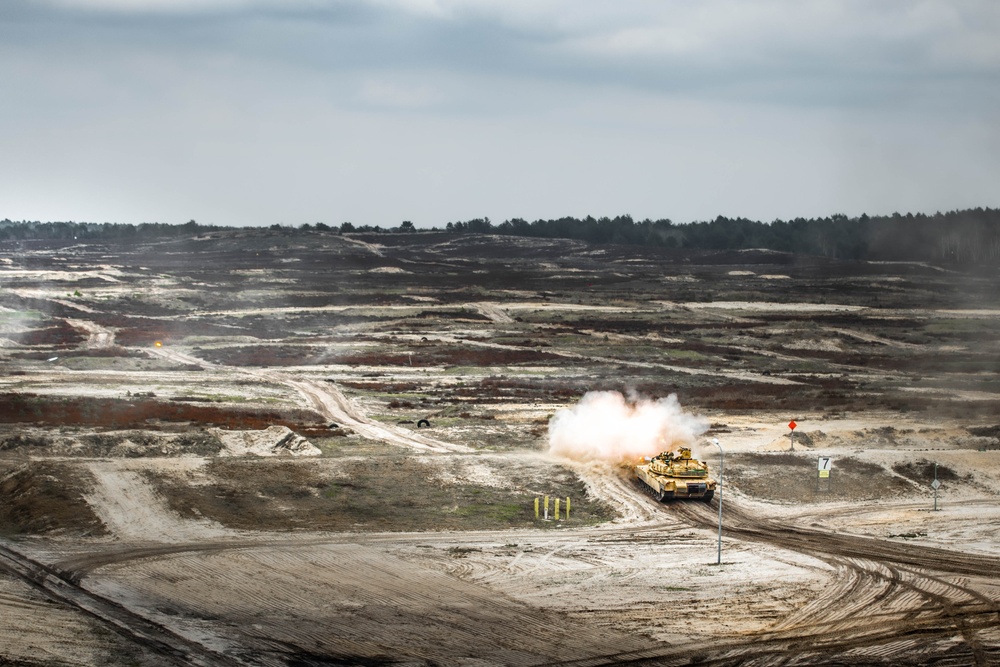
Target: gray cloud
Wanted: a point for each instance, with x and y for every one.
(256, 111)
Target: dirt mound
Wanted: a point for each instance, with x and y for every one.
(924, 472)
(112, 444)
(272, 441)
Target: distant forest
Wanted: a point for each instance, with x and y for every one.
(969, 237)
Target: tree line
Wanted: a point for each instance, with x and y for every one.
(970, 236)
(97, 231)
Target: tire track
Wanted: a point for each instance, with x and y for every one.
(172, 647)
(739, 523)
(883, 605)
(876, 611)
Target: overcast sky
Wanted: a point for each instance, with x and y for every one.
(254, 112)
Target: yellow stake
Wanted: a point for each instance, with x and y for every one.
(557, 509)
(536, 508)
(567, 508)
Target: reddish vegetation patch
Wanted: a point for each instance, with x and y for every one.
(451, 357)
(499, 389)
(271, 355)
(145, 331)
(525, 342)
(103, 352)
(144, 412)
(61, 334)
(459, 314)
(760, 396)
(144, 335)
(391, 387)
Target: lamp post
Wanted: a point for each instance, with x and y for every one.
(722, 461)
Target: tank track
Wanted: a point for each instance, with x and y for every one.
(653, 493)
(667, 497)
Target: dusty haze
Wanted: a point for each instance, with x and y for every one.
(608, 426)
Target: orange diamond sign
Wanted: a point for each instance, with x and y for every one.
(792, 424)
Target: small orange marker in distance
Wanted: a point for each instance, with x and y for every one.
(158, 344)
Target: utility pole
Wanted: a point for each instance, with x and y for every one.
(722, 461)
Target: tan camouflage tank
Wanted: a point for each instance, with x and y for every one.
(668, 476)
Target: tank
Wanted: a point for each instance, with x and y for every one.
(668, 476)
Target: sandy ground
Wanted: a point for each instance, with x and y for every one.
(33, 629)
(129, 507)
(644, 585)
(870, 578)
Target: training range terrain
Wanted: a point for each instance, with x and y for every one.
(284, 447)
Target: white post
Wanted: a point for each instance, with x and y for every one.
(722, 461)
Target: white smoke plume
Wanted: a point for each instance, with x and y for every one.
(607, 426)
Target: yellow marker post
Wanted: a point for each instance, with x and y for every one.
(536, 508)
(567, 508)
(557, 509)
(546, 508)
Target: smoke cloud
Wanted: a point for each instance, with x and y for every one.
(607, 426)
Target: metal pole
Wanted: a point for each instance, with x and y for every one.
(722, 461)
(935, 487)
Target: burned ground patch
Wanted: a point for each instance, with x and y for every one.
(262, 355)
(754, 396)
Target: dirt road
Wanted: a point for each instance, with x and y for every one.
(329, 401)
(881, 601)
(170, 646)
(887, 601)
(98, 337)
